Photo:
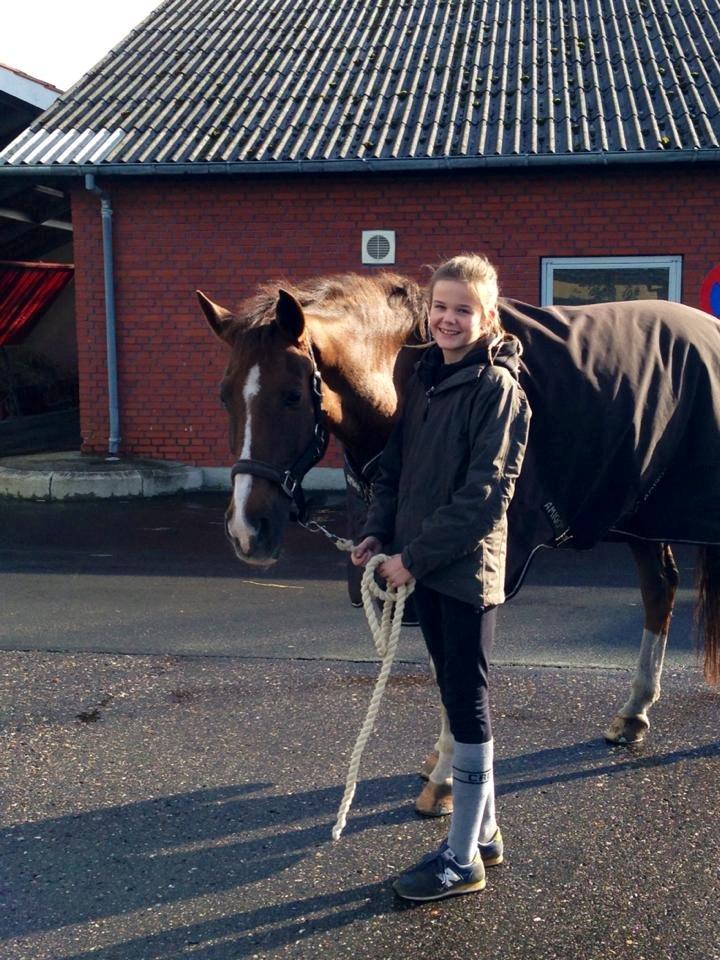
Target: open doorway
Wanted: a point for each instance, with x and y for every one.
(39, 408)
(38, 347)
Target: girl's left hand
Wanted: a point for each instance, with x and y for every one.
(395, 572)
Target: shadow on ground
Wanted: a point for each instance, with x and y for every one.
(141, 856)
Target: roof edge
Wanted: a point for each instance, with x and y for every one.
(250, 167)
(27, 89)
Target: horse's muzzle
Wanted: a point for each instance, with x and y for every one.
(257, 546)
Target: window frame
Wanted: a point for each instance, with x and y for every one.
(550, 264)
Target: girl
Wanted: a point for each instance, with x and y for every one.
(447, 477)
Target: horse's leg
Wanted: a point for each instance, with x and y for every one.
(435, 800)
(658, 584)
(431, 760)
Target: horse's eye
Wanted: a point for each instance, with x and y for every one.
(291, 398)
(224, 397)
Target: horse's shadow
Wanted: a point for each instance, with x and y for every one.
(587, 753)
(107, 863)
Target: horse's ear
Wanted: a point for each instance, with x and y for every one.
(289, 316)
(222, 322)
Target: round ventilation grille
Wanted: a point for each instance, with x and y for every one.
(378, 247)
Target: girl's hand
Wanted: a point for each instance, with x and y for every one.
(395, 572)
(366, 549)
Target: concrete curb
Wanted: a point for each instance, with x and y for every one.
(63, 484)
(319, 478)
(68, 476)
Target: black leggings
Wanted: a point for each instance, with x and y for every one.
(460, 639)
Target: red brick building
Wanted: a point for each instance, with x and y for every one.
(590, 172)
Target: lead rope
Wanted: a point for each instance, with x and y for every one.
(386, 635)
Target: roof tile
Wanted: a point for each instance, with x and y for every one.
(249, 81)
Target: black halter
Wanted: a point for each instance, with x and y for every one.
(290, 480)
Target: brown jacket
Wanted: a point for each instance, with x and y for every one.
(448, 472)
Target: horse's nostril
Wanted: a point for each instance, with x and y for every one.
(253, 540)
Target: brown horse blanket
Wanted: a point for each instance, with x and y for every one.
(625, 436)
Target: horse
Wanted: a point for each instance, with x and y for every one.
(626, 406)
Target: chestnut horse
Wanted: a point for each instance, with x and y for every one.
(330, 352)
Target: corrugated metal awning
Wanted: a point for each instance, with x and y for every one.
(26, 291)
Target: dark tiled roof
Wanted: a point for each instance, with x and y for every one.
(251, 82)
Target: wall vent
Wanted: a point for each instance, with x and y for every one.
(378, 246)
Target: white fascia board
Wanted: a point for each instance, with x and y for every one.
(25, 89)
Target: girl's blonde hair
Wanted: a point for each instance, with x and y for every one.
(480, 275)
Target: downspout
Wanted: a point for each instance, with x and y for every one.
(110, 337)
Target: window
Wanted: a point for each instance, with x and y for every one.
(567, 281)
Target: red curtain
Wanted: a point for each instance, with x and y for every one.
(26, 291)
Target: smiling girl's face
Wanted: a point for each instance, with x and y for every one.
(457, 318)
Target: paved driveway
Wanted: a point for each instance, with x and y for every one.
(157, 576)
(158, 806)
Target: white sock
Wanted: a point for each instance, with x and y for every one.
(472, 782)
(488, 826)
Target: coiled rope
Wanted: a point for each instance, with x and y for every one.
(386, 635)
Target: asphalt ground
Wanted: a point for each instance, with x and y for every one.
(182, 807)
(166, 803)
(158, 577)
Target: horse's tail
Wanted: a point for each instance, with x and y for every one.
(708, 609)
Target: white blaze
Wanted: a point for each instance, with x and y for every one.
(239, 527)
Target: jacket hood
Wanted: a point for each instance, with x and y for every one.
(506, 352)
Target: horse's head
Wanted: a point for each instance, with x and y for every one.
(267, 391)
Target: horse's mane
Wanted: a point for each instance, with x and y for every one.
(388, 300)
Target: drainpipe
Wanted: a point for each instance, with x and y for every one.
(113, 404)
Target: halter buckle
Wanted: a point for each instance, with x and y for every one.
(317, 383)
(288, 484)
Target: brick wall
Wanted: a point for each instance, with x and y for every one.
(225, 235)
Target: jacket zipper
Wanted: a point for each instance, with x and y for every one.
(428, 397)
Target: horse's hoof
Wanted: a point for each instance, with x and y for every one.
(624, 730)
(435, 800)
(429, 764)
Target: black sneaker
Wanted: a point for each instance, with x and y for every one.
(439, 875)
(492, 851)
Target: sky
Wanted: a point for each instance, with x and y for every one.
(58, 42)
